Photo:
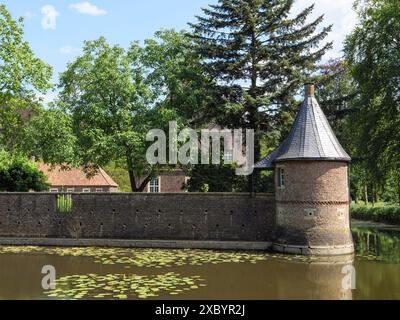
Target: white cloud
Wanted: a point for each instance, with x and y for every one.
(29, 15)
(88, 8)
(50, 14)
(69, 50)
(339, 13)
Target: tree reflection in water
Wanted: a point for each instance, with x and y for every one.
(381, 244)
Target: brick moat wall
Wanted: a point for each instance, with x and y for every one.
(223, 217)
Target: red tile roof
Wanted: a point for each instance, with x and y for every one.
(76, 177)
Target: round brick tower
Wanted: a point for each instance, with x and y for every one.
(312, 186)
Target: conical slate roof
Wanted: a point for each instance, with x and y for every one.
(311, 138)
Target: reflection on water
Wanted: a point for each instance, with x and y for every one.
(321, 278)
(379, 244)
(377, 261)
(195, 274)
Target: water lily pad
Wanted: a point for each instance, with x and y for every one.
(128, 286)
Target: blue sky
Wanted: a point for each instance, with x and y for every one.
(56, 29)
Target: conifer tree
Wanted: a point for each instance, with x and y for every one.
(258, 54)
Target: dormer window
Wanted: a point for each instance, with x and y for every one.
(281, 177)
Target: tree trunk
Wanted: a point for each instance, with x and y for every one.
(373, 195)
(366, 193)
(142, 186)
(132, 180)
(144, 183)
(377, 198)
(253, 178)
(399, 189)
(252, 110)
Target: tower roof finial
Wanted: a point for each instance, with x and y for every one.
(310, 89)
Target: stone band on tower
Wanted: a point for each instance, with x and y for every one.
(312, 186)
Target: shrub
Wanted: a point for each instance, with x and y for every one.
(387, 214)
(18, 174)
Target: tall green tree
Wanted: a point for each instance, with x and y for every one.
(337, 95)
(14, 117)
(49, 137)
(177, 73)
(20, 70)
(114, 101)
(112, 107)
(22, 75)
(258, 56)
(373, 52)
(115, 96)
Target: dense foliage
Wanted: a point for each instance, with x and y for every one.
(259, 57)
(21, 76)
(373, 53)
(20, 70)
(113, 105)
(387, 214)
(214, 178)
(17, 174)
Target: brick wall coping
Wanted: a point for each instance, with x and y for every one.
(184, 194)
(127, 243)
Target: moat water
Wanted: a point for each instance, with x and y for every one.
(96, 273)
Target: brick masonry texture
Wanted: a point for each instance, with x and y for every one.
(206, 217)
(314, 181)
(172, 182)
(313, 207)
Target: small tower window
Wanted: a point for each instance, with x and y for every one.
(281, 177)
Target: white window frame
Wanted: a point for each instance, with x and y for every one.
(86, 190)
(54, 190)
(281, 177)
(99, 190)
(158, 186)
(228, 156)
(70, 190)
(186, 182)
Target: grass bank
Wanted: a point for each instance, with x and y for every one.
(379, 213)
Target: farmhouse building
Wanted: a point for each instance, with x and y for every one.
(76, 180)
